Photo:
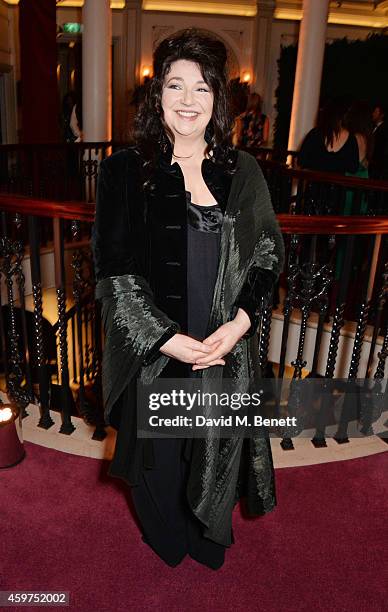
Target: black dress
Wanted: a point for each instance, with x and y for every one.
(169, 525)
(313, 154)
(203, 246)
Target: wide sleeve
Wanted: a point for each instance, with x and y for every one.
(134, 330)
(115, 264)
(268, 257)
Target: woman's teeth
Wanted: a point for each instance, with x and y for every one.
(187, 113)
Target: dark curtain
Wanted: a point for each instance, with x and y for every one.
(38, 65)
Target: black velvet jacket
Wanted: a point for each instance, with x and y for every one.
(148, 235)
(140, 248)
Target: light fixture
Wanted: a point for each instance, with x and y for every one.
(246, 76)
(11, 436)
(6, 414)
(146, 72)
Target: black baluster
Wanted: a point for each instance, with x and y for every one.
(341, 436)
(78, 286)
(87, 347)
(67, 426)
(73, 349)
(286, 443)
(338, 321)
(99, 433)
(44, 379)
(20, 282)
(11, 257)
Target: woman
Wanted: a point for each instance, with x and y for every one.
(186, 247)
(358, 121)
(252, 126)
(330, 147)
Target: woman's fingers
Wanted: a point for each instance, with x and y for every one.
(196, 345)
(216, 362)
(212, 339)
(215, 356)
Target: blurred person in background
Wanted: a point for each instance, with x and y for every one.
(252, 126)
(330, 146)
(379, 162)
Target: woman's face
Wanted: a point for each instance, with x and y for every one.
(187, 100)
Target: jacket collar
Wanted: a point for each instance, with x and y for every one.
(215, 175)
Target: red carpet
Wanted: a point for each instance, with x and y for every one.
(66, 525)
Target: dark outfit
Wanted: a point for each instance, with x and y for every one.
(169, 525)
(146, 277)
(378, 167)
(204, 227)
(322, 199)
(313, 154)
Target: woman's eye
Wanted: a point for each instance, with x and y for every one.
(203, 89)
(173, 86)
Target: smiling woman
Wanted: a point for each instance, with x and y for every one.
(187, 100)
(186, 248)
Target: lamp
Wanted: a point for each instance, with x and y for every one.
(146, 72)
(11, 437)
(246, 76)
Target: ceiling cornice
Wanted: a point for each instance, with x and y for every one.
(361, 13)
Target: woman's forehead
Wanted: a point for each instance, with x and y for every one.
(186, 70)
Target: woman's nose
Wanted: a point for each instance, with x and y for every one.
(187, 96)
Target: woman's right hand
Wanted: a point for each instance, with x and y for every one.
(188, 349)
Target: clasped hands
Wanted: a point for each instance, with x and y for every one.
(212, 349)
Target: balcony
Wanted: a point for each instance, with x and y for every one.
(329, 314)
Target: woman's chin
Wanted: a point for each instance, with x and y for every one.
(187, 131)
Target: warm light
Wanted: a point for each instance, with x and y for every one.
(71, 44)
(58, 71)
(246, 77)
(72, 78)
(375, 19)
(146, 72)
(114, 4)
(238, 9)
(5, 414)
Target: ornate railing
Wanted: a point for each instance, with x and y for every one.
(334, 286)
(60, 172)
(322, 193)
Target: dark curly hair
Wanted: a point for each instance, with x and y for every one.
(151, 133)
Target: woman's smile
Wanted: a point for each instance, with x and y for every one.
(187, 115)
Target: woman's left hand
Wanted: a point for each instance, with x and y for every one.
(224, 339)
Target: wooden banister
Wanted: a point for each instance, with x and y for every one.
(290, 224)
(313, 176)
(330, 224)
(80, 211)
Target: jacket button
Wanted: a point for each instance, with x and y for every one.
(174, 297)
